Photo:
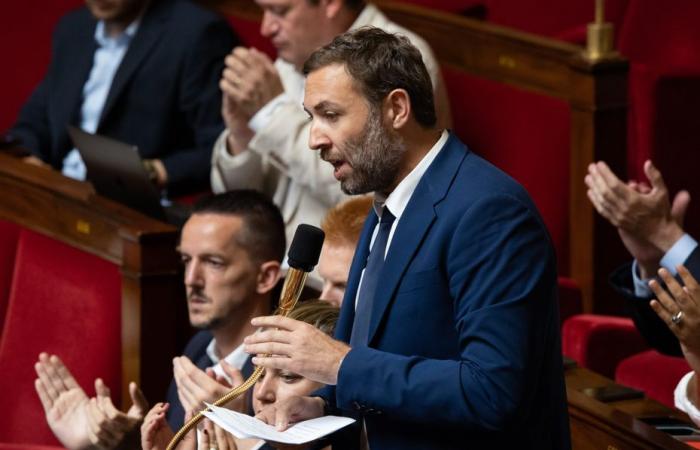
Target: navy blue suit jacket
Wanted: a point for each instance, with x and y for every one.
(164, 97)
(464, 347)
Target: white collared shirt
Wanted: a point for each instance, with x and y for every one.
(236, 358)
(398, 199)
(108, 57)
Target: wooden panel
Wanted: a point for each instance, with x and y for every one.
(143, 248)
(614, 426)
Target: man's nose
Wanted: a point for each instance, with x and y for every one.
(269, 25)
(193, 275)
(318, 140)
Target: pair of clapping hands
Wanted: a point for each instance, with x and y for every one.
(81, 423)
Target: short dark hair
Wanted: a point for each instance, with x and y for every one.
(380, 62)
(262, 234)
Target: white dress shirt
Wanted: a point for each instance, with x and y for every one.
(108, 57)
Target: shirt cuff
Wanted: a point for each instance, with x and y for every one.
(641, 286)
(224, 157)
(678, 253)
(264, 114)
(681, 400)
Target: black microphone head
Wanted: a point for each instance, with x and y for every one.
(306, 247)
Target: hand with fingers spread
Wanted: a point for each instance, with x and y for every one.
(64, 401)
(648, 223)
(679, 307)
(107, 426)
(194, 386)
(232, 378)
(297, 347)
(155, 431)
(249, 81)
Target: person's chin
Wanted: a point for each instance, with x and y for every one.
(200, 321)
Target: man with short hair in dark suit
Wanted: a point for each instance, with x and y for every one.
(232, 248)
(145, 72)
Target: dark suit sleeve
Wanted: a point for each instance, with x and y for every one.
(693, 263)
(500, 280)
(650, 326)
(200, 101)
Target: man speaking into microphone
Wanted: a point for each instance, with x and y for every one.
(448, 335)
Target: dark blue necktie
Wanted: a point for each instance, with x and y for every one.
(370, 280)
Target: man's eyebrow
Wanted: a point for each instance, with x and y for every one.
(324, 105)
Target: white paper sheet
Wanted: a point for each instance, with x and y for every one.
(244, 427)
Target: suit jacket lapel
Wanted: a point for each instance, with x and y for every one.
(150, 31)
(347, 311)
(414, 224)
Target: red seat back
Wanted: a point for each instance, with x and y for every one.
(662, 42)
(553, 18)
(599, 342)
(62, 301)
(655, 374)
(249, 32)
(9, 233)
(524, 134)
(25, 46)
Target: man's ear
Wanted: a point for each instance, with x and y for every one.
(268, 276)
(332, 7)
(397, 108)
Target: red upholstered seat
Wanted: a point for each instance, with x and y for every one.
(249, 32)
(62, 301)
(4, 446)
(9, 233)
(25, 46)
(570, 301)
(526, 135)
(553, 18)
(655, 374)
(452, 6)
(600, 342)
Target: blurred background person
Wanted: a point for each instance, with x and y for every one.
(144, 72)
(342, 225)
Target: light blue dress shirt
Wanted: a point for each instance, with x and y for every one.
(675, 256)
(107, 59)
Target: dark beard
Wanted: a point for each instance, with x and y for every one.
(375, 157)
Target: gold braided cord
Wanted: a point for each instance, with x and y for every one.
(293, 284)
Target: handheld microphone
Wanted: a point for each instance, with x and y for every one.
(302, 257)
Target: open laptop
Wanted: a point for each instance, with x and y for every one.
(116, 171)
